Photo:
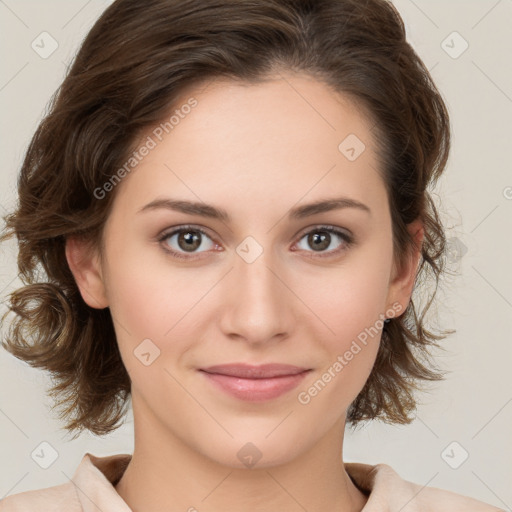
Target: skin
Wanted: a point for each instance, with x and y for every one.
(256, 151)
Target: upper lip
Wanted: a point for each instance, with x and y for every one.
(247, 371)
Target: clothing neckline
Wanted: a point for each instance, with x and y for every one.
(97, 476)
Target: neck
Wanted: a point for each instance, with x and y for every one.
(166, 474)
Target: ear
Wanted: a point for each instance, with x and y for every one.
(85, 265)
(402, 281)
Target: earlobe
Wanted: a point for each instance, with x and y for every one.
(85, 266)
(402, 283)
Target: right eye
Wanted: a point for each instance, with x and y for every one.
(186, 240)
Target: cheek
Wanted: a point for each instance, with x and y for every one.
(350, 303)
(150, 300)
(352, 297)
(352, 311)
(150, 296)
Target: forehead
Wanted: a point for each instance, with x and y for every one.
(278, 140)
(272, 114)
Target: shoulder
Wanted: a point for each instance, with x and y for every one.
(52, 499)
(441, 500)
(386, 488)
(93, 481)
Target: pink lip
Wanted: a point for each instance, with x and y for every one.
(255, 383)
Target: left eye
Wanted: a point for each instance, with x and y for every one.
(320, 239)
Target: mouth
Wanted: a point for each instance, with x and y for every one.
(255, 383)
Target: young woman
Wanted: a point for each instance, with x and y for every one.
(229, 201)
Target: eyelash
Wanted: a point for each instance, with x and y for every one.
(348, 241)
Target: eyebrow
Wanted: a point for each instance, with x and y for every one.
(299, 212)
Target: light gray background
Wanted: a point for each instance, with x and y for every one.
(473, 406)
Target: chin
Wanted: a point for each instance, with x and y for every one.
(253, 452)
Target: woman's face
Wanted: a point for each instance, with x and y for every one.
(263, 283)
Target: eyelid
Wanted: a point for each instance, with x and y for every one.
(167, 232)
(325, 227)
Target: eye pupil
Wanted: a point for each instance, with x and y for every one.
(319, 242)
(192, 240)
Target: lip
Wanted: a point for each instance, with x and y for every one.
(255, 383)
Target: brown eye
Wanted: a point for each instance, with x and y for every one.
(323, 238)
(189, 240)
(319, 240)
(185, 240)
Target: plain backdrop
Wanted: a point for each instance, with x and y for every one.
(461, 437)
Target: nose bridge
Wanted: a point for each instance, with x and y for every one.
(259, 305)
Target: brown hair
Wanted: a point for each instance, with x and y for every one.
(136, 60)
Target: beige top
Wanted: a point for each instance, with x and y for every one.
(92, 490)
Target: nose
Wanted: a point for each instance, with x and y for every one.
(258, 307)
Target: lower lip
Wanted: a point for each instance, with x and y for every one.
(255, 390)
